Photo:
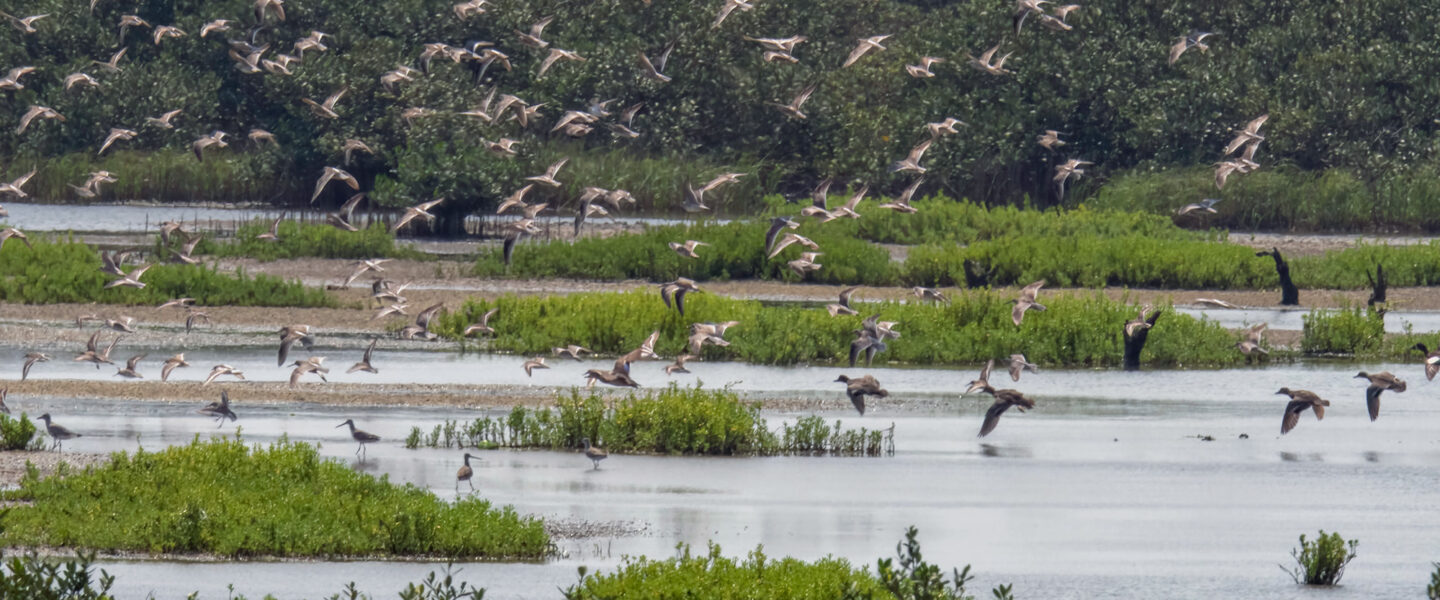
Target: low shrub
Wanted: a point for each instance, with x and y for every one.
(297, 240)
(69, 272)
(1322, 561)
(1356, 331)
(16, 434)
(1077, 330)
(673, 420)
(32, 577)
(1433, 590)
(225, 498)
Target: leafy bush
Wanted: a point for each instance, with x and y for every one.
(16, 434)
(307, 240)
(674, 420)
(69, 272)
(915, 579)
(223, 497)
(1322, 561)
(1077, 330)
(1433, 590)
(1357, 331)
(31, 577)
(736, 251)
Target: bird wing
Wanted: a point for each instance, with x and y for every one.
(858, 400)
(1018, 313)
(1292, 415)
(992, 417)
(803, 96)
(1372, 400)
(1253, 127)
(855, 54)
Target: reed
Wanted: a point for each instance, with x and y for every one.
(1077, 330)
(277, 500)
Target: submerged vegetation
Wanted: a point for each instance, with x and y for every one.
(69, 272)
(674, 420)
(1077, 330)
(297, 240)
(1323, 560)
(223, 497)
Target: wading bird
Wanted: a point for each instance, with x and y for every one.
(57, 433)
(465, 474)
(363, 437)
(594, 453)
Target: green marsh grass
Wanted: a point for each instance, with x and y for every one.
(165, 176)
(226, 498)
(69, 272)
(298, 240)
(672, 420)
(1077, 330)
(1356, 331)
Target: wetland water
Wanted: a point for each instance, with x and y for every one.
(1101, 492)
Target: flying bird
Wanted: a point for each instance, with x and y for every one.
(860, 387)
(1379, 382)
(1300, 401)
(1026, 301)
(864, 47)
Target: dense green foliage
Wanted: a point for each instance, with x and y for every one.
(1344, 85)
(1433, 590)
(31, 577)
(1077, 330)
(225, 498)
(66, 271)
(736, 251)
(674, 420)
(716, 577)
(1358, 331)
(1323, 560)
(307, 240)
(1285, 199)
(16, 433)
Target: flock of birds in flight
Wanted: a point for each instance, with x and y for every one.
(593, 201)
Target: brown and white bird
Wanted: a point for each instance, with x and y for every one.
(1026, 301)
(864, 47)
(792, 109)
(219, 410)
(1050, 140)
(860, 387)
(988, 64)
(687, 249)
(216, 139)
(171, 364)
(532, 38)
(1067, 171)
(843, 306)
(17, 186)
(1206, 205)
(116, 134)
(922, 70)
(1250, 134)
(534, 363)
(80, 79)
(164, 121)
(556, 55)
(11, 80)
(26, 25)
(1300, 401)
(911, 162)
(30, 359)
(43, 113)
(548, 178)
(676, 290)
(729, 7)
(1194, 39)
(1379, 382)
(364, 364)
(132, 279)
(130, 372)
(1018, 365)
(1432, 360)
(309, 365)
(166, 31)
(112, 65)
(481, 326)
(416, 212)
(326, 109)
(1250, 343)
(1004, 400)
(222, 370)
(679, 365)
(333, 174)
(218, 25)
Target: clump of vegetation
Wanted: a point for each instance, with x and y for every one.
(673, 420)
(736, 251)
(1322, 561)
(1077, 330)
(69, 272)
(911, 578)
(297, 240)
(225, 498)
(31, 577)
(1433, 590)
(16, 434)
(1358, 331)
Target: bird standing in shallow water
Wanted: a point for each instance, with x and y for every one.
(363, 437)
(57, 433)
(465, 474)
(594, 453)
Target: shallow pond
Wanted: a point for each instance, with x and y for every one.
(1292, 319)
(1103, 491)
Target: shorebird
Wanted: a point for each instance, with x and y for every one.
(870, 338)
(465, 10)
(481, 326)
(219, 410)
(922, 70)
(290, 334)
(131, 279)
(326, 109)
(1250, 343)
(988, 64)
(363, 437)
(417, 211)
(792, 109)
(116, 134)
(502, 147)
(1139, 323)
(273, 234)
(93, 353)
(57, 433)
(610, 378)
(122, 325)
(679, 365)
(309, 365)
(708, 333)
(532, 39)
(572, 352)
(218, 25)
(677, 290)
(805, 264)
(216, 139)
(1066, 171)
(1300, 401)
(556, 55)
(260, 136)
(843, 306)
(645, 351)
(981, 382)
(365, 266)
(911, 162)
(864, 47)
(778, 224)
(80, 79)
(945, 127)
(128, 21)
(465, 474)
(687, 249)
(778, 56)
(1023, 9)
(548, 179)
(219, 370)
(30, 359)
(1004, 399)
(786, 45)
(1018, 364)
(11, 232)
(1050, 140)
(1026, 301)
(192, 317)
(594, 453)
(729, 7)
(171, 364)
(1379, 382)
(269, 6)
(341, 219)
(1194, 39)
(1216, 303)
(534, 363)
(1432, 360)
(37, 112)
(860, 387)
(129, 371)
(791, 238)
(112, 65)
(694, 200)
(11, 81)
(167, 31)
(26, 25)
(332, 173)
(164, 121)
(1250, 134)
(168, 228)
(364, 364)
(352, 146)
(1206, 205)
(17, 187)
(3, 408)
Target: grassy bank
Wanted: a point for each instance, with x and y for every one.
(1077, 330)
(166, 176)
(66, 271)
(673, 420)
(224, 497)
(1285, 199)
(298, 240)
